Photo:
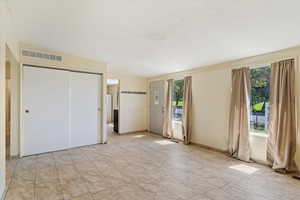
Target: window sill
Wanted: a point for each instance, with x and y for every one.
(255, 134)
(177, 122)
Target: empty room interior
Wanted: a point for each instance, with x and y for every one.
(149, 100)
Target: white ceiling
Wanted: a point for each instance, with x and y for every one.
(152, 37)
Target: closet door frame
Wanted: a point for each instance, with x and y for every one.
(102, 129)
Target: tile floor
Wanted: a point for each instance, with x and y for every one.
(143, 167)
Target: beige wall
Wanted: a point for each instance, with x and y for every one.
(6, 41)
(7, 108)
(212, 86)
(133, 107)
(72, 63)
(69, 61)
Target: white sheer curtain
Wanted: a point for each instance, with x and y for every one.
(167, 127)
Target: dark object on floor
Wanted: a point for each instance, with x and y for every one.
(173, 140)
(116, 121)
(296, 177)
(281, 171)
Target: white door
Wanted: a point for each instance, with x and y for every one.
(84, 109)
(45, 110)
(157, 89)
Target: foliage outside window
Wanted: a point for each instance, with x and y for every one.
(260, 98)
(177, 100)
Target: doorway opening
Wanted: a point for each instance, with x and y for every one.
(113, 105)
(12, 104)
(11, 96)
(177, 108)
(157, 109)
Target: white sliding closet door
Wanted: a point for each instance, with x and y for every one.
(45, 110)
(84, 109)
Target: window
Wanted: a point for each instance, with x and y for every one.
(177, 100)
(156, 97)
(259, 101)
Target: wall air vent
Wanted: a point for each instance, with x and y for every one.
(133, 92)
(40, 55)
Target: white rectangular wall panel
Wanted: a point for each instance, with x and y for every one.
(84, 109)
(45, 110)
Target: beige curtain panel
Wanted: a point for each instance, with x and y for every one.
(239, 146)
(167, 127)
(281, 146)
(187, 116)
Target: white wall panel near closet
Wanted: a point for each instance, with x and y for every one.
(60, 110)
(84, 109)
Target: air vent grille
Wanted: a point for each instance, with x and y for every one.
(133, 92)
(40, 55)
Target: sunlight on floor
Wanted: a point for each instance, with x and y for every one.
(139, 136)
(244, 168)
(164, 142)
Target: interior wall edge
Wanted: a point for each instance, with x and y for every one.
(7, 39)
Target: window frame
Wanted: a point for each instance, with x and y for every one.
(173, 91)
(252, 133)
